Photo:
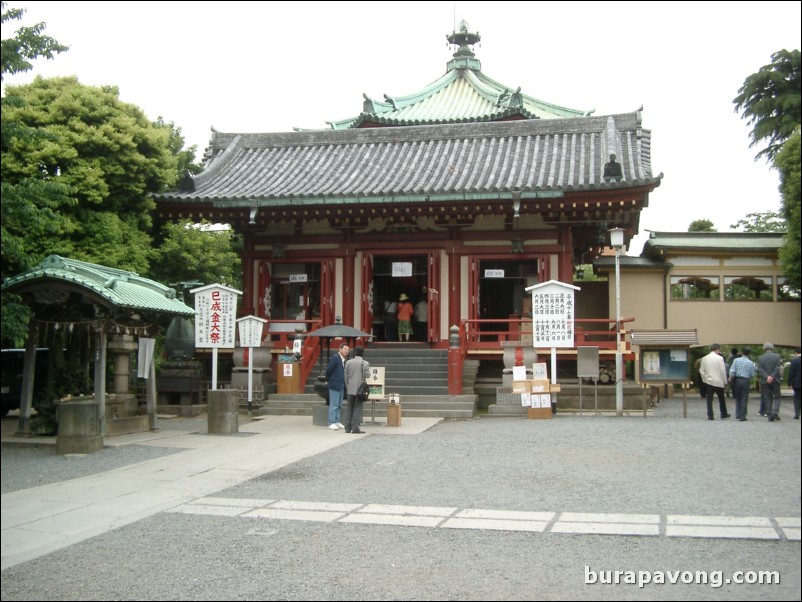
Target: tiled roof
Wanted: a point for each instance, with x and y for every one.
(463, 94)
(459, 96)
(664, 337)
(422, 163)
(118, 288)
(708, 242)
(630, 263)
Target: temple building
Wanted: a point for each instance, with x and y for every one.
(462, 195)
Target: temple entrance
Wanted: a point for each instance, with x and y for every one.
(291, 292)
(502, 289)
(394, 276)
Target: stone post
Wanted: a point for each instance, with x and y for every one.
(122, 346)
(223, 411)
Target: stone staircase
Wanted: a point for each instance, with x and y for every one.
(413, 370)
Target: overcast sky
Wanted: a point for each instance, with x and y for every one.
(272, 66)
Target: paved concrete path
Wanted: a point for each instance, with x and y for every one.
(40, 520)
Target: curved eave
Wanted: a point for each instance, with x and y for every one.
(449, 94)
(411, 163)
(115, 297)
(488, 87)
(717, 243)
(255, 201)
(372, 118)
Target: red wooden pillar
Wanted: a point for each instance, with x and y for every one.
(249, 266)
(566, 258)
(454, 293)
(349, 294)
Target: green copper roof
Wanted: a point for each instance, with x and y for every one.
(674, 243)
(114, 288)
(463, 94)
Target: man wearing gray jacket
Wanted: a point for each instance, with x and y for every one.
(769, 368)
(357, 371)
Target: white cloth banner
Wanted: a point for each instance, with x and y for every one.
(145, 358)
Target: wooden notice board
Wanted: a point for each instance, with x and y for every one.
(666, 364)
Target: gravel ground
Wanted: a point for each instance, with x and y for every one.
(24, 467)
(663, 465)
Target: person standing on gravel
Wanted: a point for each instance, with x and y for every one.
(335, 375)
(714, 375)
(769, 367)
(742, 371)
(794, 380)
(357, 371)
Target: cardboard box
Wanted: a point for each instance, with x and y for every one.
(539, 385)
(520, 386)
(539, 413)
(394, 414)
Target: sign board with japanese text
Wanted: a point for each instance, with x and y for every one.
(250, 331)
(215, 316)
(402, 269)
(553, 312)
(376, 383)
(663, 364)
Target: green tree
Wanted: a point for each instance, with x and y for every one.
(770, 101)
(197, 252)
(768, 221)
(788, 162)
(29, 203)
(184, 156)
(702, 225)
(107, 154)
(28, 43)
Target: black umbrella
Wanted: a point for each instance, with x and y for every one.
(336, 331)
(326, 334)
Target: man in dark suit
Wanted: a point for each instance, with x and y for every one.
(335, 375)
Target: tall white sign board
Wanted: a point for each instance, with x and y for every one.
(250, 336)
(215, 318)
(553, 312)
(250, 331)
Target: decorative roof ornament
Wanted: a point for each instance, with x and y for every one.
(368, 106)
(463, 94)
(516, 100)
(464, 58)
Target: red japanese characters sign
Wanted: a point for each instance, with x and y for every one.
(215, 316)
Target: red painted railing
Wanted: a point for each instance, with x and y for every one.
(476, 338)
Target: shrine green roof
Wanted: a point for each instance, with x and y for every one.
(673, 243)
(464, 94)
(111, 287)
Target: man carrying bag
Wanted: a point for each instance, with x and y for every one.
(357, 371)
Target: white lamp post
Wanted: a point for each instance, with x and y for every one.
(617, 242)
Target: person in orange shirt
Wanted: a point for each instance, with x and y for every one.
(405, 311)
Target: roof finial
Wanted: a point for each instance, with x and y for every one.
(464, 57)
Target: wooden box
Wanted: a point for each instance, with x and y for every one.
(394, 414)
(539, 413)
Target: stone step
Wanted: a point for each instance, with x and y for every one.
(445, 406)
